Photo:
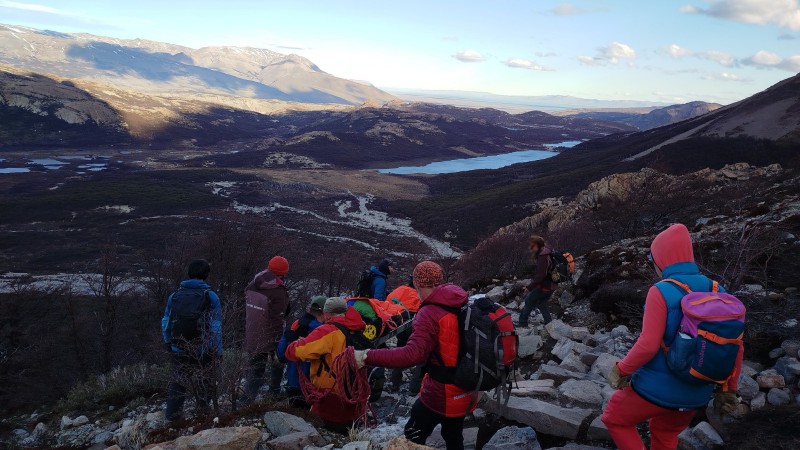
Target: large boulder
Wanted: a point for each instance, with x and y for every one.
(529, 345)
(748, 387)
(557, 329)
(791, 347)
(759, 401)
(542, 416)
(788, 367)
(778, 397)
(513, 438)
(602, 366)
(296, 441)
(582, 391)
(769, 379)
(557, 374)
(598, 431)
(529, 388)
(688, 441)
(708, 435)
(565, 347)
(280, 423)
(232, 438)
(497, 294)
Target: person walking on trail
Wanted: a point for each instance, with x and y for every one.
(408, 297)
(381, 272)
(320, 348)
(647, 389)
(434, 342)
(192, 330)
(267, 306)
(300, 328)
(541, 287)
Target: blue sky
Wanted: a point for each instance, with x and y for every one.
(665, 50)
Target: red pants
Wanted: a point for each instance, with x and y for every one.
(626, 409)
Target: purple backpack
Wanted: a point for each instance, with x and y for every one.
(710, 336)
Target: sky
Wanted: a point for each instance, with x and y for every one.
(664, 50)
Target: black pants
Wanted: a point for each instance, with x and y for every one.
(257, 376)
(422, 422)
(194, 372)
(536, 298)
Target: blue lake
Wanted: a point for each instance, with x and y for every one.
(481, 162)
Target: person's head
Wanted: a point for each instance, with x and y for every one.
(199, 269)
(278, 265)
(671, 246)
(334, 307)
(536, 244)
(427, 275)
(316, 306)
(386, 266)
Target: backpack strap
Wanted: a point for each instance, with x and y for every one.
(679, 284)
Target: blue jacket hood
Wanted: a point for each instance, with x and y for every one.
(194, 283)
(377, 272)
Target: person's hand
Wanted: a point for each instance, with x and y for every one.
(725, 402)
(616, 379)
(361, 357)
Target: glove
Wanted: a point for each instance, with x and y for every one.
(616, 379)
(725, 402)
(361, 357)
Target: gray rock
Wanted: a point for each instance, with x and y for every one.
(103, 437)
(776, 353)
(604, 363)
(598, 431)
(20, 434)
(759, 401)
(557, 374)
(620, 331)
(758, 367)
(80, 420)
(769, 379)
(545, 417)
(480, 414)
(557, 329)
(296, 441)
(280, 423)
(791, 347)
(497, 294)
(231, 438)
(531, 388)
(708, 435)
(155, 420)
(513, 438)
(357, 445)
(778, 397)
(437, 441)
(571, 362)
(565, 347)
(37, 437)
(748, 387)
(589, 357)
(788, 367)
(582, 391)
(574, 446)
(80, 436)
(597, 339)
(688, 441)
(66, 422)
(566, 299)
(748, 371)
(529, 345)
(580, 333)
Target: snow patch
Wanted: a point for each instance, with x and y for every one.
(122, 209)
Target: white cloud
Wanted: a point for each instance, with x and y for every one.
(725, 76)
(591, 61)
(520, 63)
(32, 7)
(725, 59)
(610, 54)
(469, 56)
(567, 9)
(767, 60)
(676, 51)
(783, 13)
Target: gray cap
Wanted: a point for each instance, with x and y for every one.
(317, 303)
(335, 305)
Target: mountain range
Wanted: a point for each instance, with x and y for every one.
(165, 69)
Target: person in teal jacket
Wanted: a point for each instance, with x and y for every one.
(191, 360)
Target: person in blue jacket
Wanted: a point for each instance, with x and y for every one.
(381, 272)
(299, 329)
(192, 331)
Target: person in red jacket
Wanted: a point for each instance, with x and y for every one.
(541, 287)
(654, 394)
(433, 341)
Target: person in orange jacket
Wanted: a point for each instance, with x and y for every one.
(320, 348)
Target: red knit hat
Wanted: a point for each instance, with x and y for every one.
(278, 265)
(428, 274)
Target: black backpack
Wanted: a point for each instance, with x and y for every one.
(364, 288)
(355, 339)
(187, 317)
(563, 266)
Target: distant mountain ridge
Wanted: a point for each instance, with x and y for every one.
(656, 118)
(166, 69)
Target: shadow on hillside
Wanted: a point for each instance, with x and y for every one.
(166, 67)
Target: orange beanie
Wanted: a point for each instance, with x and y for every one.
(278, 265)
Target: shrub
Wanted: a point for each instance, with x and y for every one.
(116, 388)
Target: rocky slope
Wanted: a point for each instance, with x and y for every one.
(165, 69)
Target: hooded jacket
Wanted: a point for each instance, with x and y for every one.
(214, 337)
(301, 328)
(267, 304)
(652, 379)
(433, 341)
(541, 279)
(378, 283)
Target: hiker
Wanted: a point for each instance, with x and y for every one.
(301, 328)
(647, 389)
(408, 297)
(381, 272)
(192, 330)
(320, 348)
(433, 342)
(267, 305)
(541, 287)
